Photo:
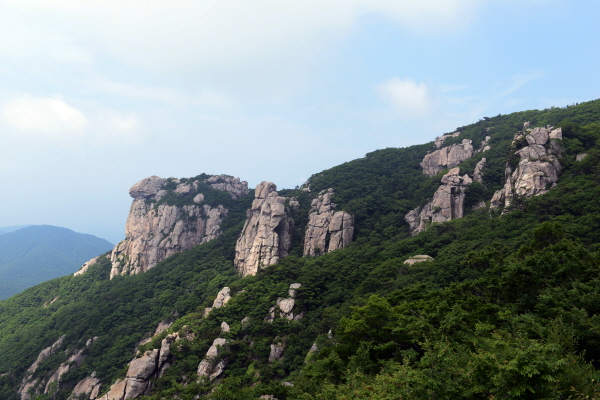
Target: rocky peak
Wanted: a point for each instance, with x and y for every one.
(537, 167)
(156, 230)
(447, 157)
(447, 203)
(327, 230)
(267, 233)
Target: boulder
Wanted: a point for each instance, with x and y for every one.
(478, 173)
(229, 184)
(146, 187)
(417, 259)
(88, 388)
(209, 367)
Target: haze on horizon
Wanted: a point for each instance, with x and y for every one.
(95, 96)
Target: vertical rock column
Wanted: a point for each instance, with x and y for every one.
(267, 233)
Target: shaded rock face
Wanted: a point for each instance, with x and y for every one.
(140, 372)
(538, 166)
(210, 367)
(327, 230)
(52, 379)
(229, 184)
(155, 233)
(267, 233)
(447, 157)
(447, 203)
(277, 348)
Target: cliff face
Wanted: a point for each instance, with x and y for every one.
(267, 233)
(156, 230)
(537, 167)
(446, 157)
(327, 230)
(447, 203)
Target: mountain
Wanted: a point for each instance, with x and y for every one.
(7, 229)
(467, 267)
(34, 254)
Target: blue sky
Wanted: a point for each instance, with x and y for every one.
(97, 95)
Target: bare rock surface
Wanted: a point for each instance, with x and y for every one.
(286, 306)
(478, 173)
(153, 233)
(267, 233)
(277, 348)
(229, 184)
(29, 383)
(88, 388)
(538, 167)
(447, 203)
(417, 259)
(580, 157)
(209, 367)
(86, 266)
(222, 298)
(447, 157)
(327, 230)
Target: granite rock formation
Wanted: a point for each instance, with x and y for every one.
(87, 388)
(30, 384)
(222, 298)
(229, 184)
(447, 203)
(478, 173)
(286, 306)
(267, 233)
(327, 230)
(439, 141)
(417, 259)
(137, 382)
(535, 166)
(155, 230)
(447, 157)
(211, 367)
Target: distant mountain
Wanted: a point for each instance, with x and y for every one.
(34, 254)
(7, 229)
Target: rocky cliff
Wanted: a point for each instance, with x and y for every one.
(168, 216)
(447, 203)
(267, 233)
(327, 230)
(533, 165)
(447, 157)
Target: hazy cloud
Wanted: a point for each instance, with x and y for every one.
(408, 98)
(50, 116)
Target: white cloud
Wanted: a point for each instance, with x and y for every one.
(50, 116)
(409, 98)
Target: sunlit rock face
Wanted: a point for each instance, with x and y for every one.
(447, 157)
(267, 233)
(447, 203)
(537, 168)
(156, 230)
(327, 230)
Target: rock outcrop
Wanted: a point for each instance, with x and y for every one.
(86, 266)
(478, 173)
(267, 233)
(447, 203)
(222, 298)
(417, 259)
(31, 385)
(211, 367)
(327, 230)
(155, 230)
(286, 306)
(229, 184)
(447, 157)
(534, 166)
(153, 363)
(87, 388)
(439, 141)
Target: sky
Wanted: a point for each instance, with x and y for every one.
(96, 95)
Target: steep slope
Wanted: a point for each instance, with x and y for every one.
(514, 286)
(35, 254)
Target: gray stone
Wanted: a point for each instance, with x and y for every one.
(208, 367)
(267, 233)
(277, 348)
(478, 174)
(146, 187)
(447, 157)
(417, 259)
(229, 184)
(580, 157)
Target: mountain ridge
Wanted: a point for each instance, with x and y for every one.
(496, 280)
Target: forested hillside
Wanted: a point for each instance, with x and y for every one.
(508, 307)
(33, 254)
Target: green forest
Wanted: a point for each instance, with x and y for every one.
(508, 308)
